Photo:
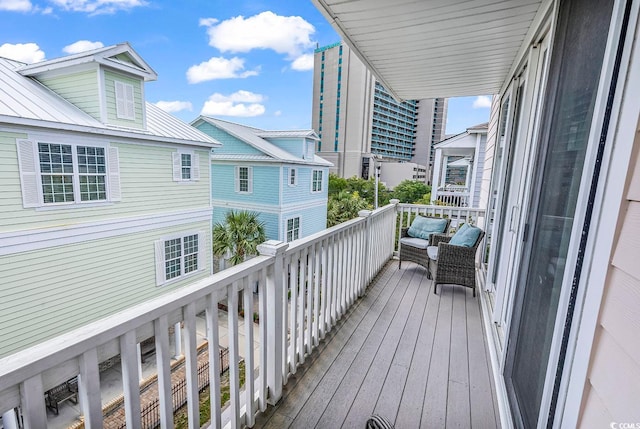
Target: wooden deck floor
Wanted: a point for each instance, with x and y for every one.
(416, 358)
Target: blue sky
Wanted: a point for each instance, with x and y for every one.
(246, 61)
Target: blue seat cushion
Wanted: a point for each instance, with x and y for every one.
(466, 236)
(418, 243)
(423, 227)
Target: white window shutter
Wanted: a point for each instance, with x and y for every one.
(115, 192)
(250, 176)
(28, 174)
(177, 167)
(237, 179)
(121, 105)
(202, 251)
(160, 271)
(129, 102)
(195, 167)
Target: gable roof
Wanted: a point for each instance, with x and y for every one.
(256, 138)
(25, 101)
(475, 129)
(120, 56)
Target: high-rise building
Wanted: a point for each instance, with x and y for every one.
(356, 118)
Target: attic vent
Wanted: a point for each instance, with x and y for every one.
(125, 101)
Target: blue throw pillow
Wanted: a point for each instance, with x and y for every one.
(423, 227)
(466, 235)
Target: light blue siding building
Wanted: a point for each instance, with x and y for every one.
(274, 173)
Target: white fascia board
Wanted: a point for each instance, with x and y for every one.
(42, 238)
(269, 161)
(14, 121)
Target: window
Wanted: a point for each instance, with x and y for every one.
(293, 229)
(125, 102)
(293, 177)
(316, 181)
(62, 173)
(244, 180)
(186, 166)
(178, 256)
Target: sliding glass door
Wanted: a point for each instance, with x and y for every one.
(576, 61)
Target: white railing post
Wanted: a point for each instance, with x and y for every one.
(275, 290)
(366, 257)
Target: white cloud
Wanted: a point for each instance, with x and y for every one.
(207, 22)
(98, 7)
(241, 103)
(174, 106)
(303, 63)
(24, 52)
(81, 46)
(284, 34)
(277, 113)
(219, 68)
(16, 5)
(481, 102)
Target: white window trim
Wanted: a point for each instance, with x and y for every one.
(177, 166)
(161, 279)
(321, 181)
(249, 179)
(125, 100)
(295, 177)
(286, 228)
(31, 175)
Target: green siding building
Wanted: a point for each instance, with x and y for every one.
(104, 198)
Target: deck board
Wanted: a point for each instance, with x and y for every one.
(417, 358)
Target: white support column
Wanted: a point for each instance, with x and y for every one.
(177, 337)
(437, 174)
(213, 339)
(274, 296)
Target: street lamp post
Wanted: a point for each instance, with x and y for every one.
(377, 173)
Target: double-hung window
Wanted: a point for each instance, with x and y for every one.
(293, 177)
(244, 180)
(186, 166)
(293, 229)
(178, 257)
(316, 181)
(55, 173)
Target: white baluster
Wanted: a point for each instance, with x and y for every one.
(89, 389)
(163, 364)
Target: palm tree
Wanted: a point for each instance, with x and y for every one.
(238, 236)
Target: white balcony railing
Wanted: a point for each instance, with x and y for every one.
(324, 275)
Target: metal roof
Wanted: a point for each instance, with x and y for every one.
(254, 137)
(435, 48)
(309, 134)
(25, 101)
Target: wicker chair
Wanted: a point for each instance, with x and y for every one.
(450, 264)
(417, 254)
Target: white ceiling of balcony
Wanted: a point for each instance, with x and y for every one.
(434, 48)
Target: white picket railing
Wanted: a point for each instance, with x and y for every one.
(324, 274)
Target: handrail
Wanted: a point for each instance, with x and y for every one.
(324, 273)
